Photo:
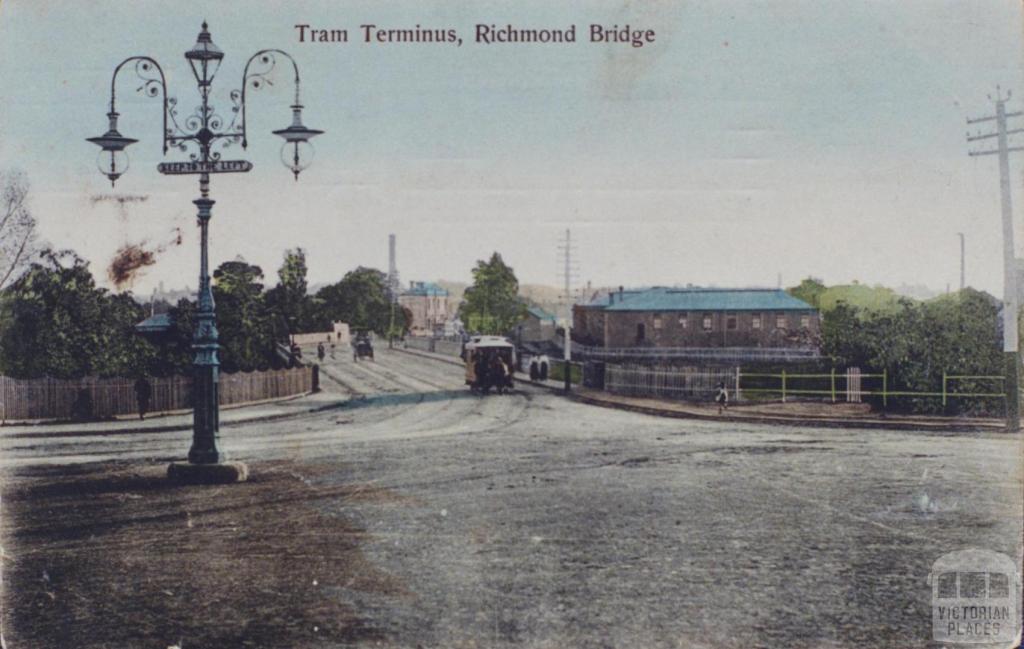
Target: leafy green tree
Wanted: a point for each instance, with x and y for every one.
(243, 320)
(492, 304)
(914, 343)
(288, 301)
(56, 322)
(809, 290)
(175, 351)
(843, 336)
(361, 300)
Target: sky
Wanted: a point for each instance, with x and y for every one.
(749, 140)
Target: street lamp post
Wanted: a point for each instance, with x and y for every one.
(204, 135)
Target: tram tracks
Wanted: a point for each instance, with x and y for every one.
(429, 399)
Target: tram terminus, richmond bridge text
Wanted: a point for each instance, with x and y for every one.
(484, 34)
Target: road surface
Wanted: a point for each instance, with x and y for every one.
(526, 520)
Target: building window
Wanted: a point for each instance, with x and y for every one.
(805, 321)
(707, 322)
(657, 321)
(730, 322)
(641, 332)
(755, 321)
(684, 322)
(780, 320)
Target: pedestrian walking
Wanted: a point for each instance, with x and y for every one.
(320, 352)
(143, 391)
(332, 352)
(722, 397)
(506, 376)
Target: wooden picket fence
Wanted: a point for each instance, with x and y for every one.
(103, 398)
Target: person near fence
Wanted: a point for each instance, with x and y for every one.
(143, 392)
(722, 397)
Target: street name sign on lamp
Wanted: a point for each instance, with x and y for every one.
(199, 167)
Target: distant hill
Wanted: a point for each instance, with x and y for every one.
(546, 297)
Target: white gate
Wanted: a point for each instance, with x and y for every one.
(853, 388)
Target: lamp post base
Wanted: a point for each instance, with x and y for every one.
(220, 473)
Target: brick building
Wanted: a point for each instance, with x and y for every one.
(697, 317)
(536, 326)
(431, 306)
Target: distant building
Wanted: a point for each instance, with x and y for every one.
(155, 326)
(697, 317)
(431, 306)
(536, 326)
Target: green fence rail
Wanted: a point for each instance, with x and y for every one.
(786, 380)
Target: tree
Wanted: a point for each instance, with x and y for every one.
(56, 322)
(17, 226)
(915, 343)
(288, 301)
(243, 320)
(175, 352)
(809, 290)
(492, 304)
(867, 299)
(361, 300)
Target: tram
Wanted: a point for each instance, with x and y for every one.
(490, 363)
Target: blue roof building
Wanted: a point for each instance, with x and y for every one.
(425, 289)
(698, 317)
(536, 326)
(708, 299)
(155, 324)
(430, 306)
(541, 314)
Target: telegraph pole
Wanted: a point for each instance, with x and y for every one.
(392, 288)
(567, 352)
(963, 283)
(1010, 297)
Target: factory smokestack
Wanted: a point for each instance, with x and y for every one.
(393, 283)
